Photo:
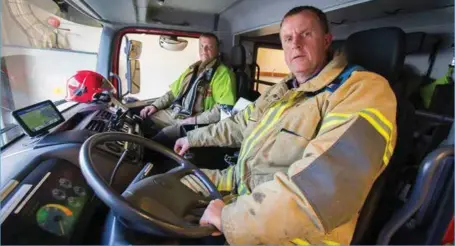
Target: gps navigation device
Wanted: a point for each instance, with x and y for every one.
(38, 119)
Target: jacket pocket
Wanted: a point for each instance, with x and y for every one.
(291, 141)
(288, 148)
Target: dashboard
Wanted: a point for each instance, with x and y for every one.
(47, 206)
(44, 197)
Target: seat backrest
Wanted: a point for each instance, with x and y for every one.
(238, 63)
(382, 51)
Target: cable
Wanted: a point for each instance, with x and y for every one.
(111, 180)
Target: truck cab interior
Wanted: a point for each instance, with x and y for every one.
(89, 177)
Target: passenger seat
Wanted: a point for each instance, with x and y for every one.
(244, 82)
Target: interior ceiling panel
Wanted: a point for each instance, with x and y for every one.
(368, 11)
(382, 9)
(204, 6)
(117, 11)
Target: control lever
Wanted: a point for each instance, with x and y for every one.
(138, 119)
(116, 120)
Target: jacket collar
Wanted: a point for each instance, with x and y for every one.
(326, 76)
(200, 66)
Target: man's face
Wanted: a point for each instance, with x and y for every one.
(207, 48)
(305, 44)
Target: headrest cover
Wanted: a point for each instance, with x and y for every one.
(380, 50)
(238, 58)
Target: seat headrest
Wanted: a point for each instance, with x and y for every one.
(380, 50)
(238, 57)
(337, 45)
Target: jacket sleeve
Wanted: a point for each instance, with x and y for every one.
(327, 187)
(226, 133)
(209, 116)
(164, 101)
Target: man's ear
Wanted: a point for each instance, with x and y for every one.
(328, 40)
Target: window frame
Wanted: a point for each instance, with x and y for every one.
(266, 45)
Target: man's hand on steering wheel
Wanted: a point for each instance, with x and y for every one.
(181, 146)
(212, 215)
(159, 204)
(148, 111)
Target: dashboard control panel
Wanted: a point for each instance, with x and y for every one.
(50, 208)
(107, 120)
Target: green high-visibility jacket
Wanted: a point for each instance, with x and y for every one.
(220, 90)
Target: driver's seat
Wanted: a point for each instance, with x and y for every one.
(382, 51)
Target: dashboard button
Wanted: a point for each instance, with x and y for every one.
(65, 183)
(74, 202)
(79, 191)
(58, 194)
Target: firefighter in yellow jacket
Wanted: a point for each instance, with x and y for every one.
(311, 147)
(195, 97)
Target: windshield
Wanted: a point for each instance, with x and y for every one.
(157, 65)
(44, 43)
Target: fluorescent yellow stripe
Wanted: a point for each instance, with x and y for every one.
(377, 127)
(229, 179)
(388, 153)
(241, 169)
(385, 159)
(248, 110)
(299, 241)
(256, 130)
(277, 116)
(328, 242)
(220, 186)
(225, 183)
(248, 143)
(253, 139)
(381, 117)
(390, 147)
(382, 131)
(338, 114)
(275, 119)
(331, 123)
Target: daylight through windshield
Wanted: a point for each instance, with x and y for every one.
(43, 45)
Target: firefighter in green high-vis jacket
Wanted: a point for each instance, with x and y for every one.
(197, 95)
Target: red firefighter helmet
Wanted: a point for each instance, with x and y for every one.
(82, 86)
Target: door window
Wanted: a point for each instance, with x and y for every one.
(272, 66)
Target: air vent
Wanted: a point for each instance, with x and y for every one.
(104, 115)
(96, 126)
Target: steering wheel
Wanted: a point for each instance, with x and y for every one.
(160, 204)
